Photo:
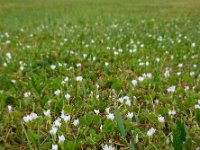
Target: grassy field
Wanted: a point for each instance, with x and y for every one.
(99, 74)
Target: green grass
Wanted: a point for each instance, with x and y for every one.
(109, 44)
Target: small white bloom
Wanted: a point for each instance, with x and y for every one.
(140, 78)
(76, 122)
(128, 102)
(54, 147)
(57, 92)
(79, 78)
(13, 81)
(106, 63)
(66, 118)
(172, 112)
(96, 111)
(180, 65)
(9, 108)
(67, 96)
(78, 65)
(151, 131)
(129, 115)
(53, 131)
(53, 67)
(149, 75)
(47, 113)
(134, 82)
(108, 147)
(161, 119)
(110, 116)
(61, 138)
(27, 94)
(197, 106)
(171, 89)
(57, 122)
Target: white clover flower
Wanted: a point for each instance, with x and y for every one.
(171, 89)
(110, 116)
(9, 108)
(78, 65)
(129, 115)
(192, 73)
(178, 73)
(27, 94)
(193, 44)
(140, 78)
(30, 117)
(57, 122)
(187, 88)
(134, 82)
(21, 68)
(197, 106)
(54, 147)
(13, 81)
(79, 78)
(67, 96)
(76, 122)
(96, 111)
(108, 110)
(61, 138)
(166, 74)
(180, 65)
(172, 112)
(57, 92)
(108, 147)
(66, 79)
(157, 59)
(121, 99)
(106, 63)
(161, 119)
(149, 75)
(53, 67)
(151, 131)
(8, 56)
(66, 118)
(53, 131)
(47, 112)
(128, 102)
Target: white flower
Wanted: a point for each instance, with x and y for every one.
(197, 106)
(13, 81)
(27, 94)
(110, 116)
(57, 92)
(53, 67)
(8, 56)
(57, 122)
(136, 138)
(178, 73)
(192, 73)
(66, 79)
(171, 89)
(96, 111)
(76, 122)
(140, 78)
(166, 74)
(106, 63)
(33, 116)
(151, 131)
(128, 102)
(79, 78)
(54, 147)
(149, 75)
(172, 112)
(129, 115)
(180, 65)
(53, 131)
(66, 118)
(30, 117)
(157, 59)
(134, 82)
(108, 147)
(61, 138)
(78, 65)
(47, 113)
(199, 101)
(161, 119)
(67, 96)
(9, 108)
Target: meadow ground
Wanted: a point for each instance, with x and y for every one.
(99, 74)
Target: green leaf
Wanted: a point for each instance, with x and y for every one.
(120, 122)
(179, 135)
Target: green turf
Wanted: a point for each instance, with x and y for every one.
(129, 54)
